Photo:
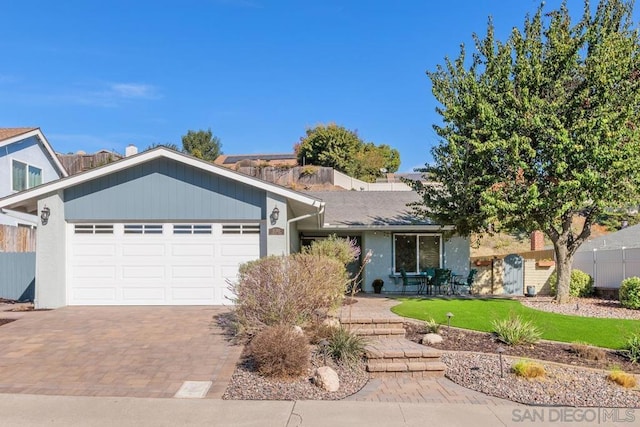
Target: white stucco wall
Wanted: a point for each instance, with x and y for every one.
(380, 267)
(51, 268)
(456, 255)
(276, 243)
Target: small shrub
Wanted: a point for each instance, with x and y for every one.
(317, 332)
(622, 378)
(588, 352)
(630, 293)
(515, 331)
(528, 369)
(632, 348)
(345, 346)
(287, 289)
(280, 352)
(432, 326)
(343, 250)
(581, 284)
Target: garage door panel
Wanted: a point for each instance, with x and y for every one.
(97, 272)
(239, 249)
(131, 250)
(200, 272)
(143, 272)
(89, 250)
(196, 294)
(132, 294)
(94, 294)
(187, 250)
(156, 269)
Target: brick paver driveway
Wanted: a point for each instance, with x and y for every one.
(115, 351)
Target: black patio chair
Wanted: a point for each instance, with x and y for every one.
(442, 278)
(466, 284)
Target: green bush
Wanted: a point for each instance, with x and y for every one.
(630, 293)
(280, 351)
(343, 250)
(632, 348)
(581, 284)
(345, 346)
(288, 290)
(432, 326)
(528, 369)
(515, 331)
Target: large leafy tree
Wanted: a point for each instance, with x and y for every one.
(540, 129)
(335, 146)
(202, 144)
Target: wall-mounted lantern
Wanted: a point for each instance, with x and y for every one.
(45, 213)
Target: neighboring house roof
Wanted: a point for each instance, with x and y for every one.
(27, 200)
(11, 135)
(626, 238)
(6, 133)
(372, 209)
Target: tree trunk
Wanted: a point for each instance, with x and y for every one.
(564, 261)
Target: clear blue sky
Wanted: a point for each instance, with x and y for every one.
(105, 74)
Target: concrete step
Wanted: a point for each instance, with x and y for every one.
(401, 357)
(375, 327)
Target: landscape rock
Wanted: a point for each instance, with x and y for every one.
(326, 378)
(430, 339)
(298, 330)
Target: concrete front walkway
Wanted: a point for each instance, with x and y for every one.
(115, 351)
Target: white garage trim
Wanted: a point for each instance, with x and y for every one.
(156, 264)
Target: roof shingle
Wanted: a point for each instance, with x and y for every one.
(369, 208)
(6, 133)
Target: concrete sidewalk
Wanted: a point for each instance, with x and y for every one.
(31, 410)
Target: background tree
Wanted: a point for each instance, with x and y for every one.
(342, 149)
(540, 129)
(168, 145)
(202, 144)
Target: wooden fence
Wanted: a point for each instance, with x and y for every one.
(17, 239)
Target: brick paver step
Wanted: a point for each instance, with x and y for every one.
(399, 348)
(379, 332)
(401, 357)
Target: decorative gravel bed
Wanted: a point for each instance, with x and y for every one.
(562, 385)
(587, 307)
(247, 384)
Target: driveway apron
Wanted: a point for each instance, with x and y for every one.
(116, 351)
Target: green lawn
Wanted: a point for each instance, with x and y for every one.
(477, 314)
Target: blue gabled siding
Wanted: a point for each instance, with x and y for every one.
(17, 275)
(163, 189)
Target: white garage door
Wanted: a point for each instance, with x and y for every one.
(156, 264)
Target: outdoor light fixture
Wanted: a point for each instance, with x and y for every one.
(500, 350)
(449, 316)
(44, 215)
(323, 345)
(275, 214)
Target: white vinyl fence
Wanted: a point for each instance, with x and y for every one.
(609, 267)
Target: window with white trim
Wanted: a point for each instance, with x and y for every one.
(415, 252)
(241, 229)
(24, 176)
(143, 229)
(192, 229)
(93, 229)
